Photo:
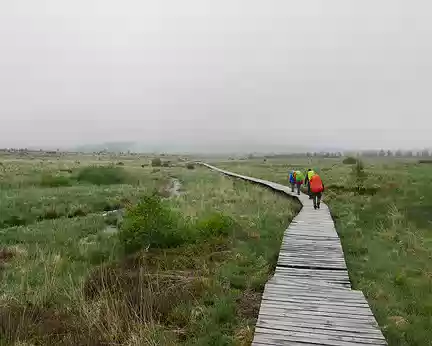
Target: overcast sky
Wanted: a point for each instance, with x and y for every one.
(216, 73)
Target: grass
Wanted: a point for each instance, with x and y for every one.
(69, 278)
(181, 269)
(385, 233)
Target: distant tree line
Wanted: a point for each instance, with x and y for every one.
(363, 153)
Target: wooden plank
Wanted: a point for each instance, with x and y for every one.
(347, 332)
(306, 324)
(319, 335)
(277, 337)
(278, 299)
(315, 307)
(323, 292)
(305, 284)
(322, 318)
(330, 321)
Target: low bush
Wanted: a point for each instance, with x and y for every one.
(151, 224)
(156, 162)
(190, 165)
(103, 175)
(349, 161)
(55, 181)
(215, 224)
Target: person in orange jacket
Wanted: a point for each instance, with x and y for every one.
(316, 189)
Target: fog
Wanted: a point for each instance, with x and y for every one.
(216, 75)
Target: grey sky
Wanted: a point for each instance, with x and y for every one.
(216, 73)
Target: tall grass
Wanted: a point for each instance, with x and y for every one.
(186, 270)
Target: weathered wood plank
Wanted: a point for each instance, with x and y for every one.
(311, 324)
(363, 334)
(277, 337)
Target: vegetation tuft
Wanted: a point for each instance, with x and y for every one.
(48, 180)
(359, 175)
(156, 162)
(349, 161)
(103, 175)
(151, 224)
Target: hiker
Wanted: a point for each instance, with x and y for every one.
(309, 174)
(292, 180)
(299, 177)
(316, 189)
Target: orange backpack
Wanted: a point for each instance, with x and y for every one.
(316, 184)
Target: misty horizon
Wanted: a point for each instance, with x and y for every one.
(220, 76)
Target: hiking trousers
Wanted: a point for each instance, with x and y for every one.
(309, 189)
(316, 198)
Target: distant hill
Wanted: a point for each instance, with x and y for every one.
(113, 147)
(208, 148)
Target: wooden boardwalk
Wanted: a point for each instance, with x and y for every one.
(309, 300)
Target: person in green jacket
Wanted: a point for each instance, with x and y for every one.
(299, 178)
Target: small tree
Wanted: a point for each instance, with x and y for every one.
(349, 160)
(359, 175)
(156, 162)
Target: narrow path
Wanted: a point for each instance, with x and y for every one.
(309, 300)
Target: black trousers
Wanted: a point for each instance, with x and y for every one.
(316, 198)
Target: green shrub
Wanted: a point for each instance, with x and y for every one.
(103, 175)
(55, 181)
(156, 162)
(190, 165)
(349, 161)
(151, 224)
(215, 224)
(359, 175)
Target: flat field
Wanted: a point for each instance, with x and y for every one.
(181, 260)
(384, 219)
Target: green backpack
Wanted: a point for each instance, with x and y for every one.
(299, 176)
